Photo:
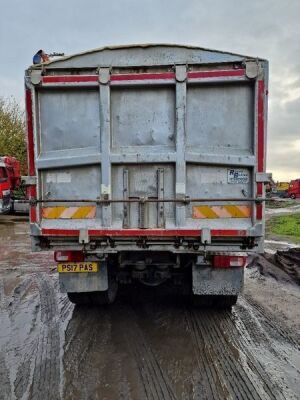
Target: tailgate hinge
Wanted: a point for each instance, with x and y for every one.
(84, 236)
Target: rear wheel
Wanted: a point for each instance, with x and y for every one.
(225, 301)
(107, 297)
(79, 298)
(293, 196)
(221, 302)
(202, 300)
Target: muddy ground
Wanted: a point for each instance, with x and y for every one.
(149, 344)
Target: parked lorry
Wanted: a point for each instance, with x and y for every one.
(294, 189)
(147, 164)
(10, 180)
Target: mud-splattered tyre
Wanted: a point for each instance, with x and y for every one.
(107, 297)
(79, 298)
(210, 301)
(95, 298)
(202, 301)
(225, 302)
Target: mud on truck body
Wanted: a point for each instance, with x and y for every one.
(147, 164)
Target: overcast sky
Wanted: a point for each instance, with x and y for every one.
(266, 28)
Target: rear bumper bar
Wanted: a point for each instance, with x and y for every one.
(174, 240)
(144, 232)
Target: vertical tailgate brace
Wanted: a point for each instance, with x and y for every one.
(126, 205)
(160, 195)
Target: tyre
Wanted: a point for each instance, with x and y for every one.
(202, 301)
(293, 196)
(79, 298)
(107, 297)
(95, 298)
(225, 302)
(211, 301)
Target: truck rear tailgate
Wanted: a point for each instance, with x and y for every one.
(169, 151)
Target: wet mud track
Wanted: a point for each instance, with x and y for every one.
(148, 345)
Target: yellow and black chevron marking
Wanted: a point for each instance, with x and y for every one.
(227, 211)
(61, 212)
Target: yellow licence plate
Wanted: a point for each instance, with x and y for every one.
(78, 267)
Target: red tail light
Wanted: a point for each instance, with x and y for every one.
(4, 189)
(68, 256)
(225, 261)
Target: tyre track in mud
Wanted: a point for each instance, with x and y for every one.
(269, 348)
(155, 381)
(19, 293)
(12, 310)
(206, 363)
(5, 391)
(46, 373)
(84, 361)
(259, 353)
(31, 312)
(234, 377)
(164, 331)
(272, 326)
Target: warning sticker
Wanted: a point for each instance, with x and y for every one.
(238, 176)
(59, 177)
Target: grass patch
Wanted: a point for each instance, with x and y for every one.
(280, 204)
(287, 226)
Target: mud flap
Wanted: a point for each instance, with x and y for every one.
(84, 282)
(217, 281)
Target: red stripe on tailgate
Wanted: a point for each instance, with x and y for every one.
(216, 73)
(139, 77)
(70, 78)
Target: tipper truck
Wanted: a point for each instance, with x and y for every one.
(147, 165)
(13, 191)
(294, 189)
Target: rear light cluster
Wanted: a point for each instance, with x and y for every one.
(68, 256)
(4, 193)
(225, 261)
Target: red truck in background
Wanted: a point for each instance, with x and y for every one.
(294, 189)
(10, 181)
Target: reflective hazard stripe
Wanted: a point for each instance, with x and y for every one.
(227, 211)
(62, 212)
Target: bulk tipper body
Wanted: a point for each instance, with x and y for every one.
(147, 164)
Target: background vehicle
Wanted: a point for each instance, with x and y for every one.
(294, 189)
(278, 189)
(13, 191)
(148, 164)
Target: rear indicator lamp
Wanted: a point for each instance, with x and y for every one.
(220, 261)
(68, 256)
